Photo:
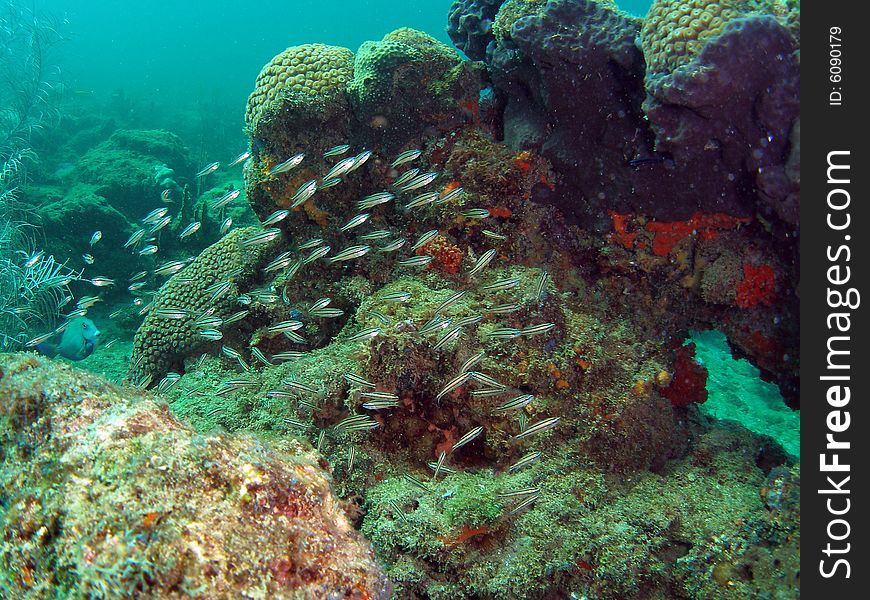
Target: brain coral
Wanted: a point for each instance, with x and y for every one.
(674, 31)
(162, 342)
(310, 70)
(373, 69)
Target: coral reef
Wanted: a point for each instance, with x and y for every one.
(470, 25)
(106, 494)
(209, 286)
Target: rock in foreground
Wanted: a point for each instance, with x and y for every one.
(105, 494)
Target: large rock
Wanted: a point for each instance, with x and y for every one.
(105, 494)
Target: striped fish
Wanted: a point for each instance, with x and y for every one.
(280, 262)
(360, 159)
(311, 243)
(275, 217)
(325, 184)
(521, 493)
(539, 329)
(373, 200)
(517, 403)
(189, 230)
(422, 200)
(485, 379)
(541, 288)
(381, 317)
(357, 380)
(488, 392)
(416, 482)
(500, 285)
(406, 177)
(288, 355)
(287, 165)
(284, 326)
(218, 290)
(357, 423)
(263, 237)
(503, 309)
(529, 500)
(468, 437)
(416, 261)
(525, 461)
(436, 323)
(340, 168)
(538, 427)
(355, 222)
(303, 193)
(450, 301)
(209, 168)
(316, 254)
(326, 313)
(224, 200)
(237, 316)
(471, 361)
(469, 320)
(258, 354)
(336, 150)
(350, 253)
(405, 157)
(504, 333)
(378, 234)
(365, 334)
(444, 468)
(449, 195)
(241, 158)
(482, 262)
(439, 465)
(448, 337)
(225, 226)
(419, 181)
(425, 239)
(380, 403)
(400, 296)
(170, 313)
(453, 384)
(170, 268)
(493, 235)
(393, 246)
(210, 334)
(475, 213)
(299, 386)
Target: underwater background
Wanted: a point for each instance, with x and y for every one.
(379, 299)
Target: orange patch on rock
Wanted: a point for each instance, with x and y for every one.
(706, 226)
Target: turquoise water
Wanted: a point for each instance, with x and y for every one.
(737, 393)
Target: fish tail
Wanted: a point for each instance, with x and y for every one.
(47, 348)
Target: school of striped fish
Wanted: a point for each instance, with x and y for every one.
(440, 331)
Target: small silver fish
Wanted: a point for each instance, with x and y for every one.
(537, 329)
(400, 296)
(425, 239)
(210, 334)
(373, 200)
(289, 355)
(436, 323)
(365, 334)
(380, 396)
(485, 379)
(453, 384)
(406, 177)
(439, 466)
(541, 287)
(236, 317)
(530, 500)
(357, 423)
(538, 427)
(287, 165)
(450, 335)
(381, 317)
(88, 301)
(517, 403)
(419, 181)
(488, 392)
(209, 168)
(521, 493)
(311, 243)
(378, 234)
(340, 168)
(471, 361)
(493, 235)
(351, 455)
(503, 309)
(170, 313)
(355, 222)
(469, 320)
(189, 230)
(504, 333)
(281, 261)
(525, 461)
(101, 281)
(449, 195)
(453, 299)
(275, 217)
(350, 253)
(258, 239)
(135, 238)
(360, 159)
(299, 386)
(319, 303)
(218, 290)
(168, 382)
(405, 157)
(170, 268)
(416, 261)
(33, 259)
(305, 191)
(475, 213)
(483, 261)
(241, 158)
(500, 285)
(155, 215)
(135, 287)
(357, 380)
(422, 200)
(88, 259)
(225, 226)
(166, 195)
(284, 326)
(336, 150)
(468, 437)
(160, 225)
(316, 254)
(381, 403)
(393, 246)
(328, 183)
(327, 313)
(225, 199)
(96, 237)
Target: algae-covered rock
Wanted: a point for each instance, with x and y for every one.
(107, 495)
(131, 168)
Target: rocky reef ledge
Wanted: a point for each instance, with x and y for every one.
(104, 493)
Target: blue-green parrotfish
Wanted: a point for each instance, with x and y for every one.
(77, 342)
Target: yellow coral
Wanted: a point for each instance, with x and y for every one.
(675, 31)
(311, 69)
